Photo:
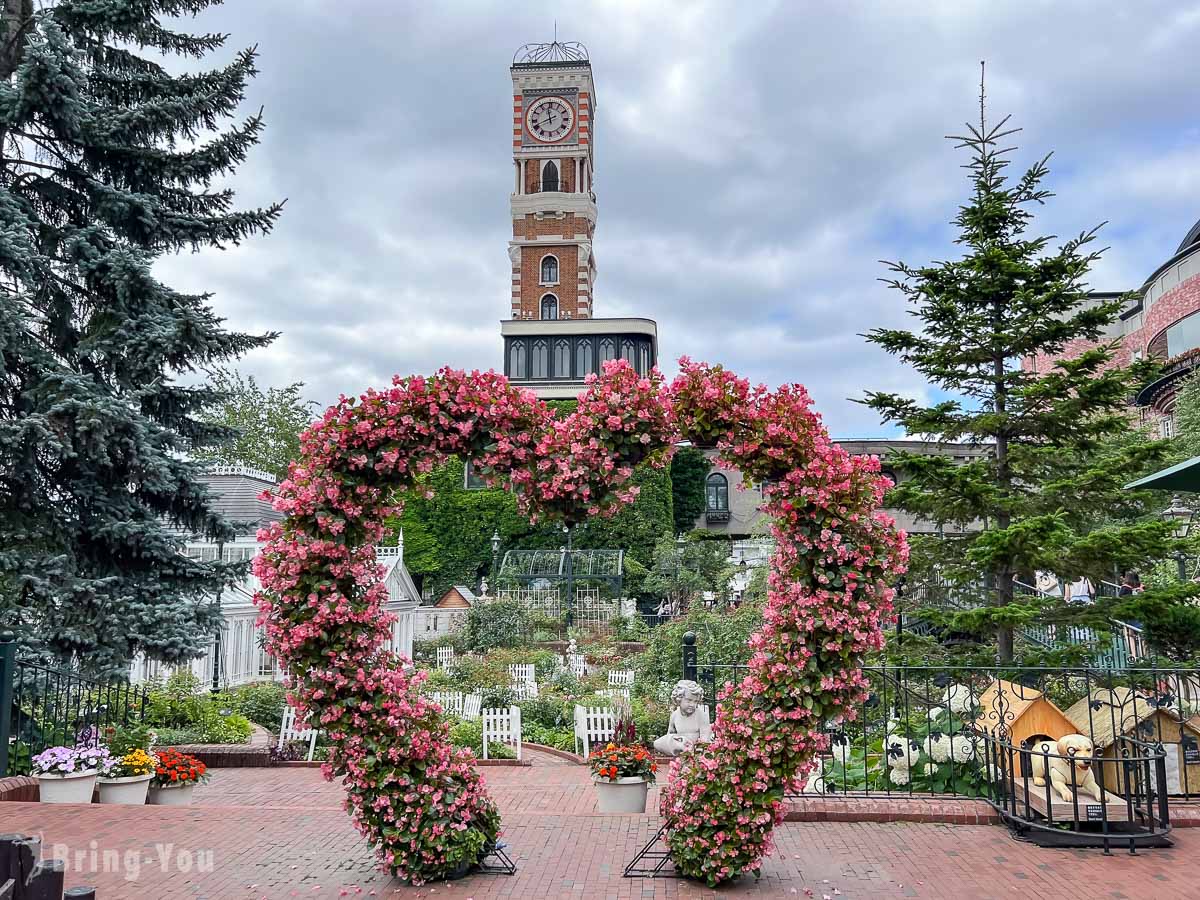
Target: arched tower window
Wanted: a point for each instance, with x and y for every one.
(716, 493)
(516, 360)
(549, 307)
(608, 350)
(550, 176)
(549, 270)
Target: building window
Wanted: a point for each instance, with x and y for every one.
(716, 490)
(608, 350)
(540, 359)
(550, 176)
(550, 270)
(549, 307)
(627, 350)
(516, 360)
(644, 364)
(1166, 427)
(562, 358)
(1184, 335)
(471, 479)
(583, 358)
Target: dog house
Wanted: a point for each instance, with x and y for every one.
(1105, 715)
(1022, 712)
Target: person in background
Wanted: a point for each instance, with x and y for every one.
(1131, 584)
(1081, 590)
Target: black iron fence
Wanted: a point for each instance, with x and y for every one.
(922, 731)
(44, 707)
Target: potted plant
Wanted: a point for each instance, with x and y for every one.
(127, 778)
(622, 775)
(68, 774)
(175, 775)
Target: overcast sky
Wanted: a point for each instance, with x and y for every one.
(754, 161)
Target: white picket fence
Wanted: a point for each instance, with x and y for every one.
(614, 693)
(525, 690)
(290, 731)
(458, 704)
(445, 657)
(593, 726)
(503, 726)
(521, 673)
(577, 664)
(620, 678)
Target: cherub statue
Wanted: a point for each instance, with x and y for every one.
(689, 723)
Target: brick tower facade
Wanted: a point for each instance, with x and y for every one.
(553, 340)
(553, 205)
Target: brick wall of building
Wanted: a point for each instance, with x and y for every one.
(532, 290)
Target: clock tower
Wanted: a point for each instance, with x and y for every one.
(553, 339)
(553, 205)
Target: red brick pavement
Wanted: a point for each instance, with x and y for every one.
(280, 833)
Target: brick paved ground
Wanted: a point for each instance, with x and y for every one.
(280, 833)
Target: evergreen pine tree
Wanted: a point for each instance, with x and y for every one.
(1048, 495)
(109, 161)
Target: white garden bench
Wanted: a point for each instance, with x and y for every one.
(577, 664)
(502, 726)
(445, 657)
(594, 725)
(290, 731)
(620, 678)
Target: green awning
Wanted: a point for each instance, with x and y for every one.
(1184, 476)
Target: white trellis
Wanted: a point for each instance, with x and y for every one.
(445, 657)
(593, 725)
(290, 730)
(502, 726)
(620, 678)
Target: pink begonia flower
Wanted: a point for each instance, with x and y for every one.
(409, 792)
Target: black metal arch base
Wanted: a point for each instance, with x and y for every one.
(497, 862)
(653, 860)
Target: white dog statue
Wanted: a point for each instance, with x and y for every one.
(1076, 752)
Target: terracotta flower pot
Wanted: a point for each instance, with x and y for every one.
(74, 788)
(172, 795)
(128, 791)
(625, 795)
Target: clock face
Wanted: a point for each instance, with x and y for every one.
(549, 119)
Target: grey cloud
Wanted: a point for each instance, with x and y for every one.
(754, 161)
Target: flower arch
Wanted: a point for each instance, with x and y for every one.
(416, 799)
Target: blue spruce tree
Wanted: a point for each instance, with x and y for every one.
(110, 160)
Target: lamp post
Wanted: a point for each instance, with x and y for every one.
(1180, 518)
(495, 559)
(570, 579)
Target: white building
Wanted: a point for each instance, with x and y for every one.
(242, 657)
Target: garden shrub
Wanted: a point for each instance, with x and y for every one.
(558, 738)
(469, 736)
(261, 702)
(501, 623)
